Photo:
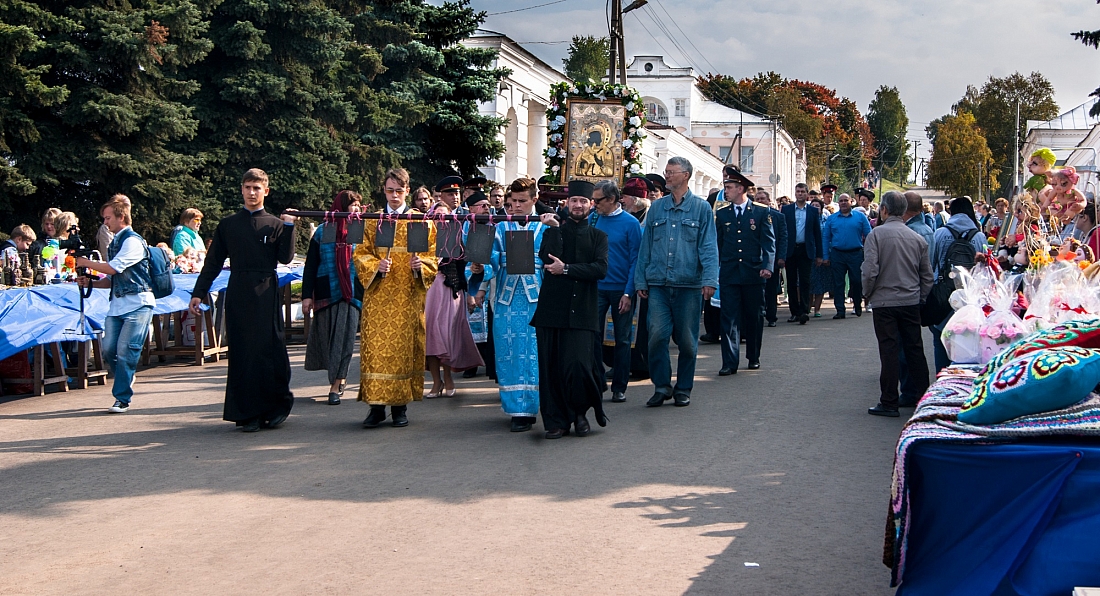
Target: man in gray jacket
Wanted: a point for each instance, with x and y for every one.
(897, 277)
(677, 270)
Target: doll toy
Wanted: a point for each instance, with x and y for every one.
(1039, 164)
(1064, 200)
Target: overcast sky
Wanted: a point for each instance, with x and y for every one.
(930, 50)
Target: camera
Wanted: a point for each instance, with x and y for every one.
(74, 244)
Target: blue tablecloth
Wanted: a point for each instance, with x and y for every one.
(1017, 519)
(46, 314)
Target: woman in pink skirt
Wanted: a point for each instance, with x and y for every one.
(449, 342)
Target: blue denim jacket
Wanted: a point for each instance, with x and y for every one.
(679, 245)
(133, 280)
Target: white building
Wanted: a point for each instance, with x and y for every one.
(1075, 139)
(732, 136)
(524, 96)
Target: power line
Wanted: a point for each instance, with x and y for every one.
(492, 14)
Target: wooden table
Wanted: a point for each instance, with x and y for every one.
(207, 342)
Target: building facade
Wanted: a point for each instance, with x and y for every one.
(1075, 138)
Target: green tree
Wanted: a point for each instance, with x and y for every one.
(100, 105)
(588, 58)
(961, 160)
(1091, 38)
(888, 122)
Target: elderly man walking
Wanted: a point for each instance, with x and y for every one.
(677, 269)
(897, 277)
(842, 236)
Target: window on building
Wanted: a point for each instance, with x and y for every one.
(680, 107)
(706, 148)
(724, 153)
(747, 154)
(655, 112)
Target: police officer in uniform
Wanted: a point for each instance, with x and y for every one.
(746, 253)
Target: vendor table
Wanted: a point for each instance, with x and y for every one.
(1006, 509)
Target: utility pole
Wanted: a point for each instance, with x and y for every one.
(1016, 155)
(618, 43)
(916, 145)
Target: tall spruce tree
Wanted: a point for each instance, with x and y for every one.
(100, 107)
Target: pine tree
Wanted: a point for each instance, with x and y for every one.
(588, 58)
(889, 124)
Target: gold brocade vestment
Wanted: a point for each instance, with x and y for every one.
(391, 362)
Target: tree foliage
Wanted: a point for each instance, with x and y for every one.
(959, 153)
(889, 123)
(1092, 39)
(588, 58)
(169, 101)
(838, 140)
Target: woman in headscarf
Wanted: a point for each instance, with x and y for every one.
(332, 292)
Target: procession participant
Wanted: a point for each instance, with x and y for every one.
(660, 186)
(331, 291)
(449, 190)
(566, 321)
(616, 290)
(803, 249)
(422, 199)
(746, 249)
(771, 287)
(395, 282)
(677, 269)
(449, 344)
(634, 191)
(126, 327)
(496, 200)
(479, 311)
(257, 386)
(514, 301)
(842, 240)
(472, 185)
(827, 192)
(864, 198)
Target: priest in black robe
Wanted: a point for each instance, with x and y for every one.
(566, 321)
(257, 388)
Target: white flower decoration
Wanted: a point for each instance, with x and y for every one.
(555, 137)
(555, 169)
(625, 163)
(635, 169)
(630, 106)
(627, 144)
(551, 152)
(553, 125)
(635, 121)
(560, 119)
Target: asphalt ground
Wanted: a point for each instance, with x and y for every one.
(781, 467)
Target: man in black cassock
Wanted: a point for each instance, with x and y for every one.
(257, 388)
(566, 320)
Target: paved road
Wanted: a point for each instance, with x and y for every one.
(780, 467)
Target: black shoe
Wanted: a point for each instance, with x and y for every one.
(881, 410)
(276, 421)
(802, 320)
(709, 338)
(754, 365)
(792, 319)
(618, 397)
(333, 399)
(399, 416)
(727, 371)
(682, 399)
(520, 424)
(838, 315)
(469, 373)
(556, 433)
(858, 312)
(771, 323)
(658, 399)
(251, 426)
(581, 426)
(377, 416)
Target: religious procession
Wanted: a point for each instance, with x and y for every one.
(287, 281)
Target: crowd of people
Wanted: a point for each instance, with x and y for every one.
(641, 265)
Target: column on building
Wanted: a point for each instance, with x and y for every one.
(536, 138)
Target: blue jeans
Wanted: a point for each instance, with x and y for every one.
(123, 339)
(673, 314)
(623, 323)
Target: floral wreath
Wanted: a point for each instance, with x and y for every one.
(634, 122)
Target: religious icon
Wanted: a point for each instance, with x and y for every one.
(594, 133)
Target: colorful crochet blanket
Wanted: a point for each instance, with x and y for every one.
(936, 419)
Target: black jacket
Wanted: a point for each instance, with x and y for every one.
(813, 231)
(746, 246)
(568, 301)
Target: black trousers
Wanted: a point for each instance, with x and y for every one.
(570, 377)
(898, 331)
(488, 353)
(798, 281)
(639, 354)
(712, 319)
(771, 297)
(742, 310)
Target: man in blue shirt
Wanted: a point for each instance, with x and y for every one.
(677, 269)
(615, 291)
(131, 303)
(843, 236)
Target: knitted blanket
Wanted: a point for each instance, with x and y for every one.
(935, 419)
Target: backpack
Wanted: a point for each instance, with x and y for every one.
(959, 253)
(160, 271)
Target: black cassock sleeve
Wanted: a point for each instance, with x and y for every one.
(595, 269)
(212, 266)
(286, 244)
(313, 263)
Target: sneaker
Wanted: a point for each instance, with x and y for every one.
(119, 407)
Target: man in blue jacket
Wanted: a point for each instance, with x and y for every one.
(677, 269)
(803, 250)
(746, 252)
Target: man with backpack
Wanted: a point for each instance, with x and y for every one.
(955, 244)
(130, 276)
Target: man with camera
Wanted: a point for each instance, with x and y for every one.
(128, 276)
